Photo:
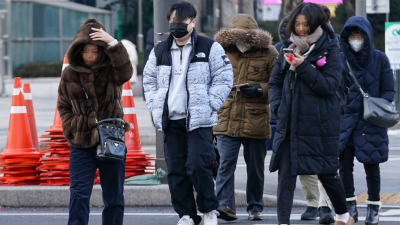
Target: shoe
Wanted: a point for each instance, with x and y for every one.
(210, 218)
(185, 220)
(325, 215)
(254, 215)
(310, 214)
(352, 208)
(349, 222)
(372, 213)
(226, 213)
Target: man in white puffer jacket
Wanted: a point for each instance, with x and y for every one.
(186, 80)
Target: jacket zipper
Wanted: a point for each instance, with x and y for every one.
(181, 49)
(187, 91)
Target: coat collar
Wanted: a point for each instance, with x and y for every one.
(256, 38)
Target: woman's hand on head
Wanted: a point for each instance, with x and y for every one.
(101, 35)
(297, 59)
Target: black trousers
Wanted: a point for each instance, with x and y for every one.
(254, 153)
(287, 184)
(372, 171)
(82, 170)
(190, 156)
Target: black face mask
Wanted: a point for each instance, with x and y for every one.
(178, 30)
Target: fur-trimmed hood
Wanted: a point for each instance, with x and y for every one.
(82, 37)
(244, 30)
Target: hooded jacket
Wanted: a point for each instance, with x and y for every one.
(307, 110)
(209, 80)
(240, 116)
(103, 84)
(372, 69)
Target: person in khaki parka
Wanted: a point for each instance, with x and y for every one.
(244, 117)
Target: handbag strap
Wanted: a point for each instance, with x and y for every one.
(365, 95)
(90, 105)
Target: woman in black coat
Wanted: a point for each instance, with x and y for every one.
(303, 101)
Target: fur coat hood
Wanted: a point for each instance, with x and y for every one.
(82, 37)
(244, 30)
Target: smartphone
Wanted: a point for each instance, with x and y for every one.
(288, 50)
(240, 85)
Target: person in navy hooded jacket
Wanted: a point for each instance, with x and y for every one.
(368, 143)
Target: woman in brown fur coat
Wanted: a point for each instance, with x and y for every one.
(100, 64)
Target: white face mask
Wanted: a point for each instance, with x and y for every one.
(356, 45)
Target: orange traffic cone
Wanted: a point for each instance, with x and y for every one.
(132, 138)
(19, 140)
(19, 159)
(137, 161)
(57, 124)
(31, 115)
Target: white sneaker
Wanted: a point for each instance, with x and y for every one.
(211, 218)
(185, 220)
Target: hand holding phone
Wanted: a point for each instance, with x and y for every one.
(289, 51)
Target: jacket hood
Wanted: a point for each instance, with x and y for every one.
(282, 30)
(358, 60)
(244, 30)
(82, 37)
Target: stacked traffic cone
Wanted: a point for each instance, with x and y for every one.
(137, 161)
(55, 162)
(19, 159)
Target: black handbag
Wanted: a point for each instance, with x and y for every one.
(111, 137)
(377, 111)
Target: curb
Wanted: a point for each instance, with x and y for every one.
(49, 196)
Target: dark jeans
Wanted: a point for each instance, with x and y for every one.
(287, 183)
(190, 156)
(254, 152)
(346, 173)
(82, 169)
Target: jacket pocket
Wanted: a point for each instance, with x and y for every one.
(256, 119)
(256, 70)
(224, 115)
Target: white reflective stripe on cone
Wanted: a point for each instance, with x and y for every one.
(127, 93)
(16, 91)
(28, 96)
(18, 109)
(64, 65)
(129, 111)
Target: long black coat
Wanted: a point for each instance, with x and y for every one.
(373, 71)
(309, 99)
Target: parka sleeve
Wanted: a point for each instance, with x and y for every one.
(150, 80)
(326, 81)
(122, 66)
(64, 108)
(275, 86)
(221, 76)
(270, 68)
(386, 84)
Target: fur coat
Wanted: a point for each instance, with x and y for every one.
(103, 84)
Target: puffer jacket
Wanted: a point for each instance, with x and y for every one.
(372, 69)
(240, 116)
(209, 80)
(103, 84)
